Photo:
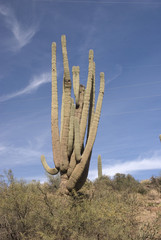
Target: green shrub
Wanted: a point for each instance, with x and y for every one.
(122, 182)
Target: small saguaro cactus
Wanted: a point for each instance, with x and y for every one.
(71, 151)
(99, 162)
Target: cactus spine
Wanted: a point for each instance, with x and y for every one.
(71, 151)
(99, 162)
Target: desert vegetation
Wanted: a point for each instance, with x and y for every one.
(112, 209)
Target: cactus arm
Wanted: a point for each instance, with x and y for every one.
(65, 62)
(71, 130)
(84, 175)
(52, 171)
(62, 112)
(77, 146)
(75, 71)
(72, 164)
(86, 98)
(54, 111)
(90, 114)
(92, 102)
(99, 162)
(76, 174)
(67, 106)
(78, 111)
(94, 83)
(78, 114)
(96, 117)
(93, 95)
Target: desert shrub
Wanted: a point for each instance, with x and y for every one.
(31, 211)
(108, 217)
(155, 182)
(17, 201)
(103, 186)
(122, 182)
(52, 183)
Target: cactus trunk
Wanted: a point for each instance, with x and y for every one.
(71, 151)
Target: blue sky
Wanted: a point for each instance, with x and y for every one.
(126, 39)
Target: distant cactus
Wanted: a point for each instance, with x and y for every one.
(71, 152)
(99, 162)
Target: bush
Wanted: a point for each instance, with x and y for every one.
(102, 210)
(122, 182)
(53, 182)
(156, 182)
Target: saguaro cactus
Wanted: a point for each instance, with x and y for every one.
(71, 151)
(99, 162)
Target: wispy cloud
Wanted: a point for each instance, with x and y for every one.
(90, 31)
(89, 38)
(139, 164)
(34, 84)
(2, 148)
(22, 34)
(13, 155)
(116, 75)
(28, 154)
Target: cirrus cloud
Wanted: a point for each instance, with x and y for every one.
(21, 34)
(34, 84)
